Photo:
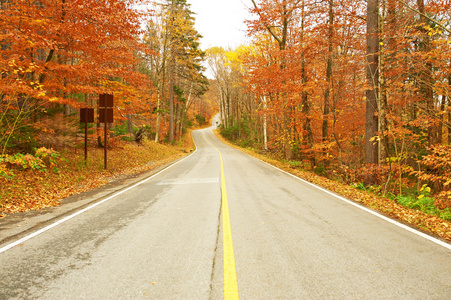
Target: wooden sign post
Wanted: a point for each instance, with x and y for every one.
(86, 116)
(105, 116)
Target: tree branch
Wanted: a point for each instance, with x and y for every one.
(424, 15)
(269, 28)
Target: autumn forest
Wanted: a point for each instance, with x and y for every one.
(357, 91)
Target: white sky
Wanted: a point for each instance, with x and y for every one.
(221, 22)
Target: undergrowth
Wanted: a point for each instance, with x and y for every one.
(423, 201)
(29, 182)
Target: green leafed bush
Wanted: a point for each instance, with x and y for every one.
(42, 159)
(423, 202)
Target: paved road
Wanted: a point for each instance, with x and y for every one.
(169, 238)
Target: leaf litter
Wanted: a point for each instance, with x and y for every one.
(38, 189)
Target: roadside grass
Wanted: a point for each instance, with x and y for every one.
(423, 201)
(32, 189)
(404, 209)
(424, 204)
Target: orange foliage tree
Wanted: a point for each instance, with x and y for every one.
(56, 53)
(313, 83)
(308, 69)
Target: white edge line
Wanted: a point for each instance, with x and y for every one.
(36, 233)
(394, 222)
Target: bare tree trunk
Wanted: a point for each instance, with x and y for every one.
(306, 111)
(449, 113)
(426, 77)
(442, 120)
(265, 128)
(177, 121)
(372, 76)
(222, 108)
(158, 119)
(383, 145)
(171, 104)
(304, 98)
(330, 35)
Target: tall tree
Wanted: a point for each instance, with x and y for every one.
(276, 17)
(54, 51)
(329, 66)
(178, 71)
(372, 71)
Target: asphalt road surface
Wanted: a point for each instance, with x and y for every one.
(221, 224)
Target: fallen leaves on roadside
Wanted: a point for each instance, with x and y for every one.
(33, 189)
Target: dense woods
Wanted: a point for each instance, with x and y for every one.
(57, 56)
(358, 91)
(176, 71)
(355, 90)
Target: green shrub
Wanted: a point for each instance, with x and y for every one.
(22, 137)
(230, 133)
(201, 120)
(423, 202)
(246, 143)
(48, 156)
(294, 163)
(446, 214)
(42, 159)
(120, 129)
(360, 186)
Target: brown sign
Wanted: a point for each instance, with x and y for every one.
(86, 115)
(109, 115)
(105, 116)
(105, 100)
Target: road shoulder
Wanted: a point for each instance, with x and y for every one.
(17, 225)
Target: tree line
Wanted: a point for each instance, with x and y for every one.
(356, 90)
(57, 56)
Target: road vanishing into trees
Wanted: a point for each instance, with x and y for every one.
(221, 224)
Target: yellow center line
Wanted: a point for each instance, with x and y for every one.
(230, 281)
